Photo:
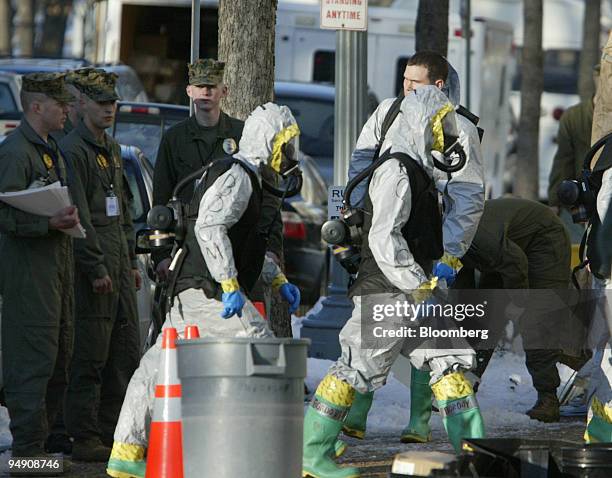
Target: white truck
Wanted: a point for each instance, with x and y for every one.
(562, 44)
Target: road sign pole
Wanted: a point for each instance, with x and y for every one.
(195, 40)
(332, 312)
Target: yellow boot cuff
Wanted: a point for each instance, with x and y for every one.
(452, 386)
(336, 391)
(127, 452)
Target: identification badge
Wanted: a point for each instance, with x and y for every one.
(112, 206)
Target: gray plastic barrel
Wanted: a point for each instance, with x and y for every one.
(243, 407)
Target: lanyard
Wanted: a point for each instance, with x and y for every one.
(107, 165)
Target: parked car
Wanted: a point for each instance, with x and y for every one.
(312, 104)
(142, 124)
(10, 104)
(129, 85)
(139, 177)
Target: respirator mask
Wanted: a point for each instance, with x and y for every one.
(577, 194)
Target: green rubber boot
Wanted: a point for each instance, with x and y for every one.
(459, 409)
(418, 429)
(355, 423)
(599, 426)
(322, 425)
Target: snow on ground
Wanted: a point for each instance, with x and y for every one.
(503, 401)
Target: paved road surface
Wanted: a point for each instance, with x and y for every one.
(375, 454)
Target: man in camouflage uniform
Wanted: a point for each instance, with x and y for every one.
(107, 350)
(36, 278)
(193, 143)
(74, 79)
(58, 439)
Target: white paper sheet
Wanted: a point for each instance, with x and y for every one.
(45, 201)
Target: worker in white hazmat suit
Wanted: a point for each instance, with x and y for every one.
(463, 194)
(599, 427)
(399, 241)
(221, 258)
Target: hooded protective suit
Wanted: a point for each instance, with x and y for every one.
(463, 194)
(222, 205)
(599, 428)
(391, 198)
(425, 116)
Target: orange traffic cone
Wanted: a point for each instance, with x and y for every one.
(165, 454)
(192, 332)
(261, 308)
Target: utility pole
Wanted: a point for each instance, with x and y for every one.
(195, 40)
(350, 113)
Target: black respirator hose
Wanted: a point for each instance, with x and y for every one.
(188, 180)
(288, 191)
(360, 177)
(452, 168)
(593, 151)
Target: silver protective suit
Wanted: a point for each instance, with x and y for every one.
(601, 379)
(366, 369)
(221, 206)
(463, 194)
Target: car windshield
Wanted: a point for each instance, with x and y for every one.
(560, 72)
(316, 121)
(7, 102)
(145, 136)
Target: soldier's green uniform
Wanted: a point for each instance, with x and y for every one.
(522, 244)
(107, 349)
(188, 146)
(36, 283)
(574, 140)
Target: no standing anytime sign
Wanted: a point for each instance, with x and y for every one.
(344, 14)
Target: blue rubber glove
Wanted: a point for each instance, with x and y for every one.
(444, 271)
(233, 302)
(291, 294)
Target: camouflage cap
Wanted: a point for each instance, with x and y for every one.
(99, 85)
(206, 72)
(51, 84)
(79, 77)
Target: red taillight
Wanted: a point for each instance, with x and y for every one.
(142, 110)
(557, 113)
(293, 226)
(459, 33)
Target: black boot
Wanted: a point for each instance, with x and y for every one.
(546, 408)
(58, 443)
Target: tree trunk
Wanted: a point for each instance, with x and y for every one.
(6, 29)
(246, 44)
(432, 26)
(589, 56)
(51, 41)
(526, 180)
(24, 27)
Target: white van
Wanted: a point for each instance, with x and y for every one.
(562, 44)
